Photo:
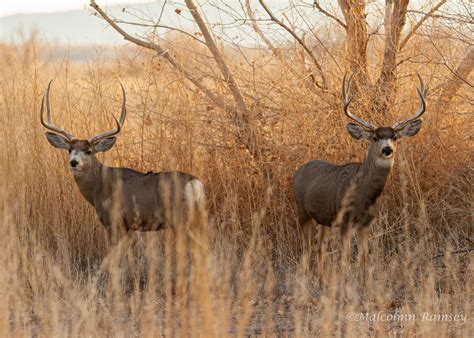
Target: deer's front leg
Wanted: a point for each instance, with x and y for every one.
(363, 234)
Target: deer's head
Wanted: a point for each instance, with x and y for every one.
(382, 139)
(81, 152)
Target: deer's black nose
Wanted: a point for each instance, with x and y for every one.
(387, 151)
(73, 163)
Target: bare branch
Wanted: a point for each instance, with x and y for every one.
(419, 23)
(329, 15)
(298, 39)
(259, 32)
(444, 16)
(454, 83)
(161, 52)
(246, 131)
(160, 26)
(276, 52)
(229, 79)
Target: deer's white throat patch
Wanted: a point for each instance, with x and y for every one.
(386, 162)
(77, 171)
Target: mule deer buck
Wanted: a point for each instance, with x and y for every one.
(348, 194)
(125, 199)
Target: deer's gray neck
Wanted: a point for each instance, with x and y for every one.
(90, 181)
(373, 175)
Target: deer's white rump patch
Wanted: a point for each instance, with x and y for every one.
(194, 192)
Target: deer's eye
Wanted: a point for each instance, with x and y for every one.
(69, 151)
(375, 138)
(88, 152)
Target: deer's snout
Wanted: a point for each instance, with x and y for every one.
(387, 151)
(73, 163)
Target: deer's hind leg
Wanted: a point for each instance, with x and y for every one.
(307, 224)
(320, 252)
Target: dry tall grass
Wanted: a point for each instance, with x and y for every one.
(244, 276)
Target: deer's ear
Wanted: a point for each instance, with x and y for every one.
(104, 144)
(57, 141)
(411, 129)
(358, 132)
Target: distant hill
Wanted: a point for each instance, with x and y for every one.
(71, 27)
(77, 26)
(83, 27)
(79, 32)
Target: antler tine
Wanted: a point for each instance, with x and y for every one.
(346, 89)
(118, 122)
(422, 91)
(50, 125)
(124, 110)
(347, 98)
(108, 133)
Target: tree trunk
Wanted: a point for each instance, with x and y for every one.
(452, 85)
(394, 21)
(356, 42)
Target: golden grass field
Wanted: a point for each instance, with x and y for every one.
(244, 277)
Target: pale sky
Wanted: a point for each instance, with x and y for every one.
(8, 7)
(79, 26)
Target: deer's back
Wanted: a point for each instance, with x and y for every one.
(319, 187)
(145, 201)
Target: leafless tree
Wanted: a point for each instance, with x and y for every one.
(357, 31)
(238, 111)
(366, 27)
